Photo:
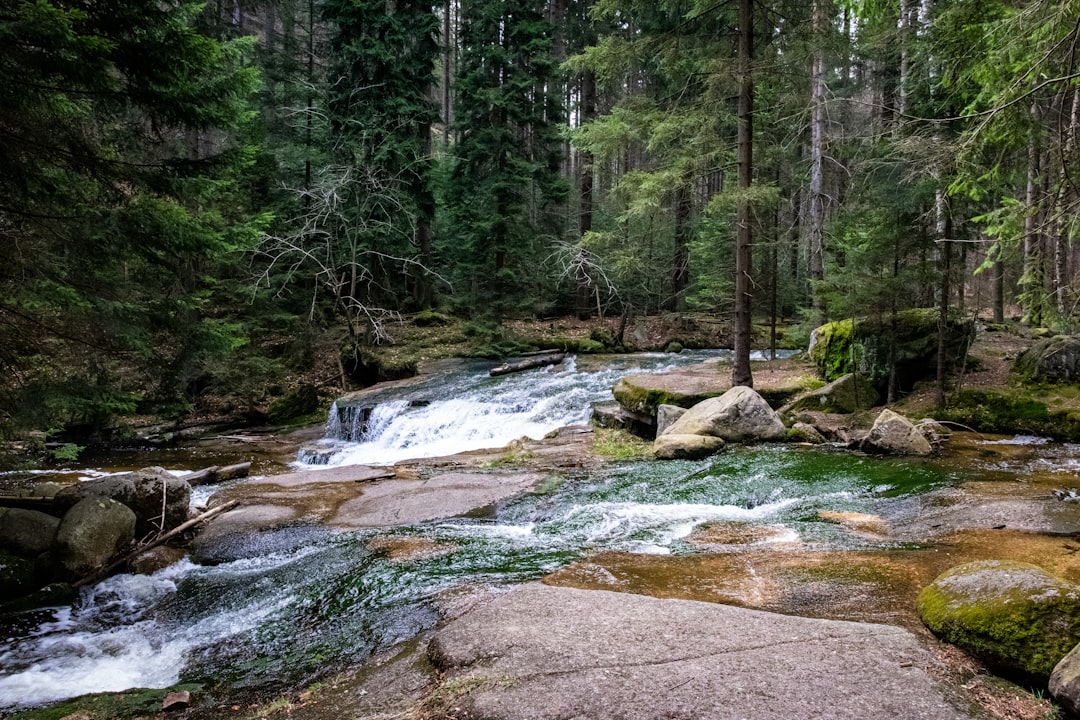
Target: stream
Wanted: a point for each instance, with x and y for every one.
(309, 599)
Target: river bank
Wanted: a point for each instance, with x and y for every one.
(853, 548)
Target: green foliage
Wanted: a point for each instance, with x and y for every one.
(502, 190)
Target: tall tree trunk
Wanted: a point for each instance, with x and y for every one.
(586, 183)
(999, 291)
(449, 42)
(744, 259)
(1032, 280)
(816, 213)
(944, 230)
(1067, 196)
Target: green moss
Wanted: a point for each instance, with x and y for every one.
(584, 346)
(1014, 616)
(645, 401)
(618, 444)
(1013, 411)
(106, 706)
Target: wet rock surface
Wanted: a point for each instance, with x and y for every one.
(541, 652)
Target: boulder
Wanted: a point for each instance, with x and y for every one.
(847, 394)
(894, 434)
(666, 415)
(26, 533)
(614, 415)
(807, 433)
(91, 532)
(1065, 682)
(141, 491)
(1051, 360)
(644, 394)
(1014, 616)
(872, 346)
(18, 576)
(739, 415)
(674, 446)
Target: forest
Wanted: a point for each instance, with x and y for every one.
(204, 201)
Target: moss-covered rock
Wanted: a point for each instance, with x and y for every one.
(643, 394)
(871, 346)
(1014, 616)
(1051, 360)
(1012, 411)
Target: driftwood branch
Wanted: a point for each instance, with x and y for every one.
(527, 364)
(217, 473)
(127, 557)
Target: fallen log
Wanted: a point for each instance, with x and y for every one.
(527, 364)
(127, 557)
(216, 473)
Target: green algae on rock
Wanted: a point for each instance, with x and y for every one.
(1014, 616)
(874, 346)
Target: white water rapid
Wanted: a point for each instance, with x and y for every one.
(470, 411)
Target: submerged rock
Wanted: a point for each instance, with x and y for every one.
(894, 434)
(1014, 616)
(739, 415)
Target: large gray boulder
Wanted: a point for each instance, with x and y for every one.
(894, 434)
(1014, 616)
(27, 533)
(666, 415)
(1065, 682)
(95, 529)
(141, 491)
(739, 415)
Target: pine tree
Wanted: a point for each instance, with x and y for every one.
(503, 191)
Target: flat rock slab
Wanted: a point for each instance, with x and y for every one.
(542, 652)
(389, 503)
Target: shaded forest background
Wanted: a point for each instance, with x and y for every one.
(200, 203)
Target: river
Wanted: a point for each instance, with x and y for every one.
(309, 599)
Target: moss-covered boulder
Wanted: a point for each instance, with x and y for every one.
(684, 388)
(847, 394)
(90, 533)
(1014, 616)
(1051, 360)
(871, 346)
(1016, 410)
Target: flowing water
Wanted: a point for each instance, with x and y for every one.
(309, 599)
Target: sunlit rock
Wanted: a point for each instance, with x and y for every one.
(680, 446)
(1065, 681)
(1014, 616)
(739, 415)
(894, 434)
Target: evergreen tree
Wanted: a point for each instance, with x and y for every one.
(117, 203)
(503, 191)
